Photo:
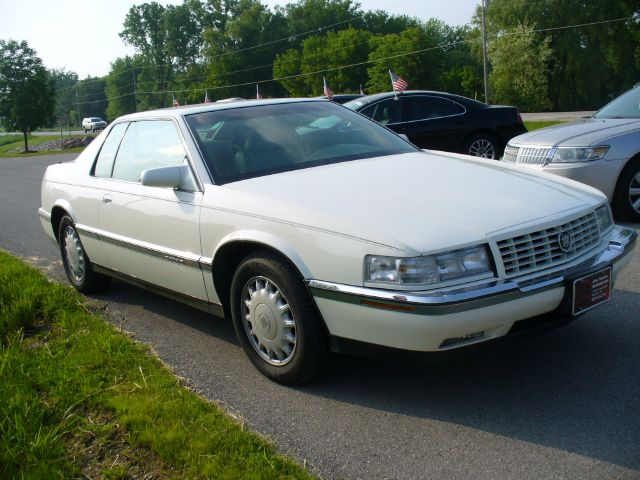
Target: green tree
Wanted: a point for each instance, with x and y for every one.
(590, 63)
(120, 85)
(63, 83)
(326, 53)
(92, 97)
(520, 67)
(27, 96)
(167, 39)
(415, 54)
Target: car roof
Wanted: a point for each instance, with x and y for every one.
(368, 99)
(208, 107)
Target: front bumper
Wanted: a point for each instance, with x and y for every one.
(442, 320)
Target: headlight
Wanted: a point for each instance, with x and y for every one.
(579, 154)
(428, 269)
(603, 214)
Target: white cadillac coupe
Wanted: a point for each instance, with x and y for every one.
(317, 230)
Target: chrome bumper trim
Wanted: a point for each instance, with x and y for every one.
(489, 293)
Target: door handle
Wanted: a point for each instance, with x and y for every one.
(107, 199)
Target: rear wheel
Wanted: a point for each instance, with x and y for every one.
(76, 263)
(482, 145)
(626, 199)
(276, 321)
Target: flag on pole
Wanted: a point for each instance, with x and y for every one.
(327, 91)
(397, 82)
(206, 97)
(361, 90)
(175, 102)
(258, 96)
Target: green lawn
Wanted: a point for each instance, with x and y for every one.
(535, 125)
(9, 143)
(82, 400)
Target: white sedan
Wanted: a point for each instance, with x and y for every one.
(317, 230)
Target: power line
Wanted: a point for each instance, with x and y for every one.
(287, 77)
(287, 38)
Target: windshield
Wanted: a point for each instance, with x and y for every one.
(246, 142)
(625, 106)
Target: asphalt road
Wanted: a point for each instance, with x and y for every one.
(563, 405)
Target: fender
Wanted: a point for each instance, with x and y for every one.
(269, 240)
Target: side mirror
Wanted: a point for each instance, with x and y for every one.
(178, 176)
(403, 136)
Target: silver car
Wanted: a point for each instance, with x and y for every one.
(602, 151)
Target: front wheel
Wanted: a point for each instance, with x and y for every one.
(276, 321)
(76, 263)
(482, 145)
(626, 199)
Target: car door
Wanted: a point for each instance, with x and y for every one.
(387, 112)
(435, 122)
(151, 233)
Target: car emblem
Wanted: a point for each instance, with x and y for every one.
(565, 241)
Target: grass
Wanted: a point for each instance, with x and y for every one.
(82, 399)
(535, 125)
(9, 143)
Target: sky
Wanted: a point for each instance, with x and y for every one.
(82, 36)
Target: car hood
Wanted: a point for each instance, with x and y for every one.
(416, 202)
(590, 131)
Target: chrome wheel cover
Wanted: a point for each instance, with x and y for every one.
(73, 255)
(482, 148)
(634, 192)
(268, 321)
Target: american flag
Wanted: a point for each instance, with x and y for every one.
(398, 83)
(258, 95)
(206, 97)
(327, 91)
(175, 102)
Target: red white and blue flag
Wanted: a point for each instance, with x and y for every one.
(327, 91)
(398, 83)
(175, 102)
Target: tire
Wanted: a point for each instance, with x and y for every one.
(76, 263)
(626, 198)
(482, 145)
(277, 322)
(85, 130)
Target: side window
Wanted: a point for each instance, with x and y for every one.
(385, 112)
(104, 163)
(148, 144)
(424, 108)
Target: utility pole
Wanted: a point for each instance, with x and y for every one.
(78, 105)
(135, 95)
(484, 52)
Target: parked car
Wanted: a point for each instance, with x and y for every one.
(93, 124)
(442, 121)
(316, 230)
(602, 151)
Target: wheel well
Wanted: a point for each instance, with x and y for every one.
(226, 261)
(56, 216)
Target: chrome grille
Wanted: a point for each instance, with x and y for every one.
(532, 156)
(537, 250)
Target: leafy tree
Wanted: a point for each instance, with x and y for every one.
(166, 38)
(120, 85)
(590, 63)
(63, 83)
(92, 97)
(326, 53)
(421, 69)
(26, 92)
(520, 66)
